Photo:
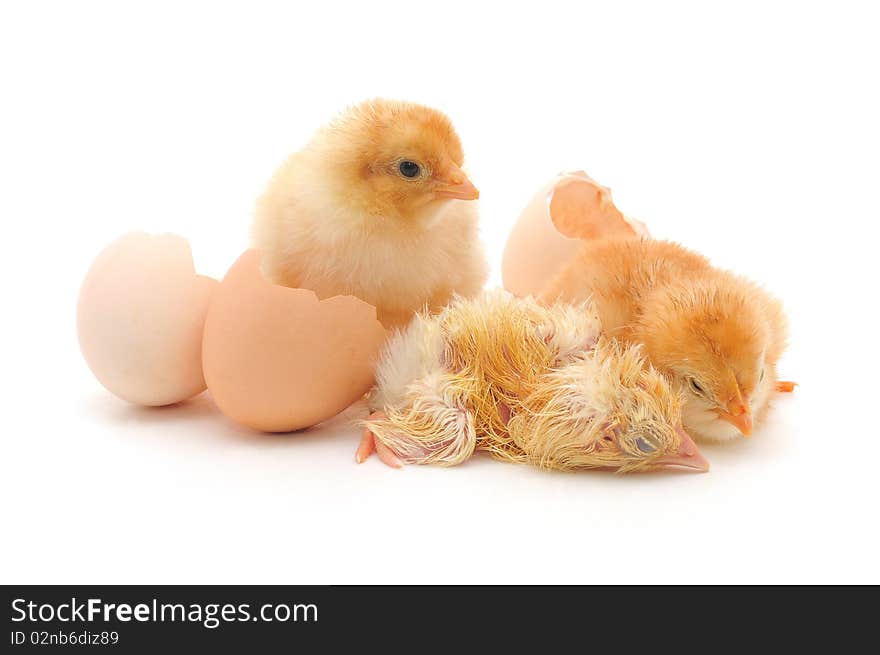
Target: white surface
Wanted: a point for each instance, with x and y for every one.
(748, 133)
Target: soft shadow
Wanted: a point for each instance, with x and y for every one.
(341, 428)
(201, 412)
(198, 408)
(483, 458)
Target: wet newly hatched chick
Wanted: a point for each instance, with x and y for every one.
(527, 384)
(718, 335)
(377, 206)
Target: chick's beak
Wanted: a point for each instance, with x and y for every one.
(739, 416)
(687, 456)
(457, 186)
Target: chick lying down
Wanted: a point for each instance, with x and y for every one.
(527, 384)
(716, 335)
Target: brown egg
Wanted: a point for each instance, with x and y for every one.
(572, 207)
(278, 359)
(140, 316)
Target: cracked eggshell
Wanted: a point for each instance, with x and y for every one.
(278, 359)
(571, 208)
(140, 316)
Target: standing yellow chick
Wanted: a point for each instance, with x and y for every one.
(376, 206)
(527, 384)
(718, 335)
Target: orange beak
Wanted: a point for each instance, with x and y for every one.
(458, 187)
(739, 416)
(688, 455)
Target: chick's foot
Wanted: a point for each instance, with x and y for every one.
(369, 443)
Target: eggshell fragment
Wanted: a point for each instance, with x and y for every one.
(571, 208)
(277, 359)
(140, 316)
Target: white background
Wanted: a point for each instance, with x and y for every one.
(749, 133)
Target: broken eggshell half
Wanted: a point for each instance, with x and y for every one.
(571, 208)
(278, 359)
(140, 314)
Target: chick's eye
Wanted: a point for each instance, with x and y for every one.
(409, 168)
(761, 379)
(645, 446)
(696, 388)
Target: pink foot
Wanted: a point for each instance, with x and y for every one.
(369, 443)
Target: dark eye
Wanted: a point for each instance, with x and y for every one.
(696, 388)
(409, 168)
(761, 379)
